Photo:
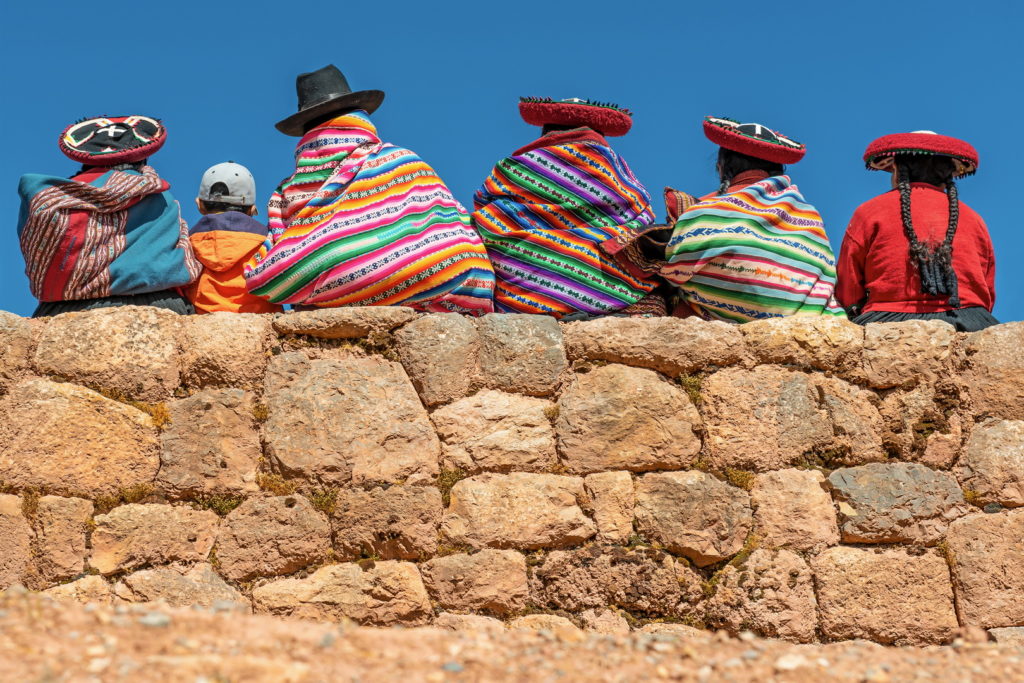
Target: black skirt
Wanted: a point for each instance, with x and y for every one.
(167, 299)
(963, 319)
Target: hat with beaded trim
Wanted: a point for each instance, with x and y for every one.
(753, 139)
(112, 140)
(604, 117)
(880, 154)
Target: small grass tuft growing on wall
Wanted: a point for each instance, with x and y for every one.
(221, 503)
(125, 496)
(275, 484)
(260, 412)
(30, 503)
(446, 480)
(741, 478)
(691, 384)
(324, 499)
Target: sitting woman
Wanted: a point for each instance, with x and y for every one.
(112, 235)
(755, 249)
(917, 252)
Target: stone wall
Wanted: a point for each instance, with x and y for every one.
(806, 479)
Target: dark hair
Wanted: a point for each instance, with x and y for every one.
(731, 164)
(934, 262)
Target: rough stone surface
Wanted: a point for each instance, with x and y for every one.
(560, 626)
(856, 423)
(62, 437)
(397, 523)
(211, 445)
(605, 621)
(612, 500)
(825, 343)
(60, 544)
(896, 502)
(90, 588)
(225, 349)
(440, 353)
(15, 542)
(679, 631)
(272, 536)
(178, 586)
(1013, 635)
(793, 509)
(617, 417)
(992, 465)
(907, 353)
(354, 420)
(469, 622)
(16, 341)
(369, 593)
(491, 581)
(132, 350)
(921, 425)
(345, 322)
(693, 514)
(496, 432)
(672, 346)
(888, 596)
(517, 510)
(132, 536)
(987, 555)
(994, 376)
(521, 353)
(770, 593)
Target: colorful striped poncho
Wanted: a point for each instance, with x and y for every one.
(759, 252)
(362, 223)
(552, 216)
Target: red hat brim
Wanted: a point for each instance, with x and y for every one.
(880, 153)
(605, 120)
(725, 133)
(147, 136)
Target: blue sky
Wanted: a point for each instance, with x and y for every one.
(832, 75)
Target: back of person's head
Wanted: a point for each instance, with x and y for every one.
(730, 164)
(227, 187)
(925, 168)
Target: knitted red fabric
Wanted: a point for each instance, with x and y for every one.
(878, 154)
(605, 120)
(112, 140)
(724, 133)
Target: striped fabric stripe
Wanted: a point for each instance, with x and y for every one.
(760, 252)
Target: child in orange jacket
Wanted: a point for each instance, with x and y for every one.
(224, 239)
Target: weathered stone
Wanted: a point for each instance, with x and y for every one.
(469, 622)
(211, 445)
(397, 523)
(488, 581)
(369, 593)
(605, 621)
(793, 509)
(856, 424)
(62, 437)
(994, 376)
(521, 353)
(496, 432)
(545, 622)
(617, 417)
(1013, 635)
(16, 342)
(134, 535)
(889, 596)
(272, 536)
(131, 350)
(354, 420)
(15, 542)
(693, 514)
(672, 346)
(987, 556)
(681, 631)
(61, 526)
(225, 349)
(90, 588)
(440, 353)
(992, 465)
(896, 502)
(612, 500)
(921, 425)
(907, 353)
(178, 586)
(345, 322)
(817, 342)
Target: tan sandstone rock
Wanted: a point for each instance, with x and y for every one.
(992, 465)
(178, 586)
(65, 438)
(440, 353)
(16, 342)
(994, 377)
(369, 593)
(15, 542)
(856, 423)
(225, 349)
(272, 536)
(604, 621)
(469, 622)
(1013, 635)
(921, 425)
(888, 596)
(521, 353)
(693, 514)
(987, 555)
(560, 626)
(89, 588)
(496, 432)
(834, 345)
(612, 500)
(491, 581)
(907, 353)
(517, 510)
(793, 509)
(135, 535)
(681, 631)
(396, 523)
(617, 417)
(61, 526)
(350, 322)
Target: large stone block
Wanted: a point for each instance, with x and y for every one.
(355, 420)
(440, 352)
(15, 542)
(397, 523)
(61, 529)
(994, 377)
(488, 581)
(132, 536)
(65, 438)
(922, 425)
(889, 596)
(907, 353)
(560, 627)
(225, 349)
(612, 500)
(987, 554)
(87, 589)
(350, 322)
(834, 345)
(521, 353)
(178, 586)
(857, 426)
(477, 623)
(16, 342)
(518, 510)
(896, 503)
(132, 350)
(272, 536)
(793, 509)
(369, 593)
(496, 432)
(621, 418)
(693, 514)
(992, 465)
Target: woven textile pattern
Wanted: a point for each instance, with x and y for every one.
(760, 252)
(363, 222)
(544, 215)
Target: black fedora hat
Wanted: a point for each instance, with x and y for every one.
(322, 92)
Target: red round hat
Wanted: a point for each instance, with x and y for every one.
(753, 139)
(880, 154)
(111, 140)
(607, 119)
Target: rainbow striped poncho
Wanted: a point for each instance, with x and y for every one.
(759, 252)
(364, 223)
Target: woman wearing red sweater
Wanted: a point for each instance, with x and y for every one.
(917, 252)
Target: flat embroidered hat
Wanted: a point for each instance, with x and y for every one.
(111, 140)
(880, 154)
(754, 140)
(606, 118)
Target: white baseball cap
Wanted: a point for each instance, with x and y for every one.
(228, 183)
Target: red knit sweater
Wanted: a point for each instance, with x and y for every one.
(875, 268)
